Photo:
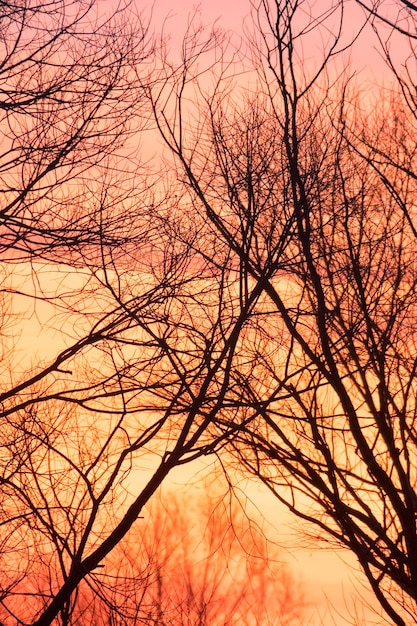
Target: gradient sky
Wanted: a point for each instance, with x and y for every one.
(330, 584)
(327, 580)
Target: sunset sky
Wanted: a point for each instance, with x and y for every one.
(333, 587)
(208, 288)
(235, 16)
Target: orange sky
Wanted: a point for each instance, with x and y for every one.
(328, 582)
(333, 587)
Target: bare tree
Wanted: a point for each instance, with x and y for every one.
(89, 437)
(207, 564)
(399, 16)
(66, 99)
(323, 229)
(255, 301)
(139, 329)
(123, 379)
(387, 142)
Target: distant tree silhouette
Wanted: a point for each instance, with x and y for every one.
(207, 564)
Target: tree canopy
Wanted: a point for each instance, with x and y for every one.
(248, 294)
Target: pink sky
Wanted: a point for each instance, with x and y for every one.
(231, 14)
(327, 580)
(330, 583)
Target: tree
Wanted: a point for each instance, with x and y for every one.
(122, 380)
(139, 330)
(399, 17)
(396, 113)
(321, 229)
(254, 301)
(208, 564)
(66, 101)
